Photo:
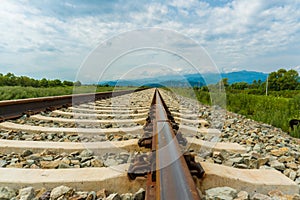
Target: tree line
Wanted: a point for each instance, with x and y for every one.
(281, 80)
(10, 79)
(277, 81)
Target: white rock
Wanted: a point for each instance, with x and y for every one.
(26, 193)
(224, 193)
(60, 191)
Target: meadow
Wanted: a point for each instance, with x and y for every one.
(19, 92)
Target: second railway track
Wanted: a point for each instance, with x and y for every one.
(75, 151)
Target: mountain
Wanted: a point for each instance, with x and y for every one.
(245, 76)
(192, 79)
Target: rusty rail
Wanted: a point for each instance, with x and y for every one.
(11, 109)
(168, 170)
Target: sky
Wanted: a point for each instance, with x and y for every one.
(55, 38)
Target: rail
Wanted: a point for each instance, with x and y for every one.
(11, 109)
(168, 170)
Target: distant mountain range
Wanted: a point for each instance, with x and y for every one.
(191, 79)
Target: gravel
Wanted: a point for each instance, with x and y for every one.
(62, 137)
(65, 192)
(52, 160)
(227, 193)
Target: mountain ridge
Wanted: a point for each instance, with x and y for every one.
(192, 79)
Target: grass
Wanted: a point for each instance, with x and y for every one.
(296, 132)
(18, 92)
(274, 110)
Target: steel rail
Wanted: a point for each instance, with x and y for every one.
(174, 180)
(10, 109)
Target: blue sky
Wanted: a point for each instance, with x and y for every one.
(52, 38)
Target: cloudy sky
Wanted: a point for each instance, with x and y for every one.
(53, 38)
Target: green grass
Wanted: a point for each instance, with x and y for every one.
(296, 132)
(18, 92)
(276, 111)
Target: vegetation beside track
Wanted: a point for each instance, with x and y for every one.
(19, 92)
(281, 104)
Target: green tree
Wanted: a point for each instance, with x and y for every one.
(239, 86)
(10, 79)
(44, 83)
(77, 83)
(283, 80)
(68, 83)
(1, 80)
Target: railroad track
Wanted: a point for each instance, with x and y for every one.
(111, 144)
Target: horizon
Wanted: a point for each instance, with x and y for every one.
(52, 39)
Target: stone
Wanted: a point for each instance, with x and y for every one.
(110, 137)
(75, 153)
(292, 165)
(297, 180)
(139, 195)
(7, 193)
(292, 175)
(45, 196)
(65, 161)
(63, 166)
(228, 163)
(30, 162)
(61, 191)
(296, 197)
(26, 193)
(242, 195)
(255, 155)
(110, 162)
(257, 148)
(237, 160)
(262, 161)
(79, 196)
(224, 193)
(85, 164)
(86, 153)
(277, 165)
(101, 194)
(224, 155)
(3, 163)
(91, 196)
(75, 162)
(84, 159)
(275, 194)
(279, 152)
(241, 166)
(49, 164)
(258, 196)
(97, 163)
(40, 192)
(26, 153)
(287, 172)
(34, 157)
(286, 159)
(127, 196)
(113, 196)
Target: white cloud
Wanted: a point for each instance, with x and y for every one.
(236, 34)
